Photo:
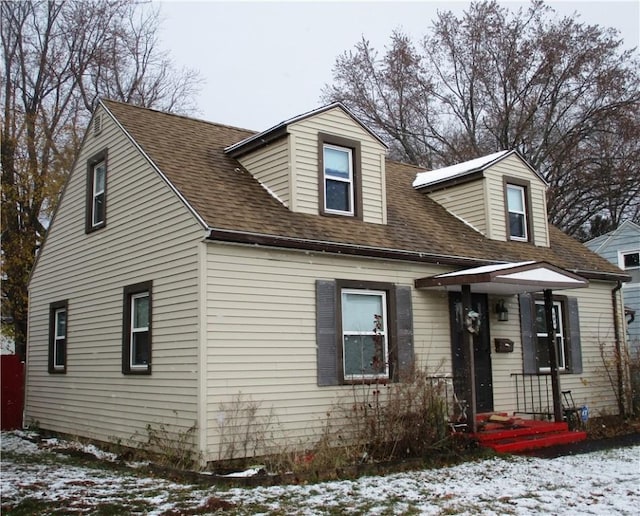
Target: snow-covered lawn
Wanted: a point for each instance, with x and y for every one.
(35, 480)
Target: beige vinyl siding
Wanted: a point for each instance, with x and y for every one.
(305, 162)
(150, 235)
(261, 333)
(261, 338)
(270, 166)
(592, 387)
(503, 364)
(465, 201)
(512, 166)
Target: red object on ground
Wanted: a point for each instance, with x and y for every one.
(526, 435)
(12, 389)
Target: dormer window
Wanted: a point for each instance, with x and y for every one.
(339, 176)
(338, 180)
(517, 210)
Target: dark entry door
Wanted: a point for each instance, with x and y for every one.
(481, 351)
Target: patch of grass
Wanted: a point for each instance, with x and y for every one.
(31, 506)
(213, 504)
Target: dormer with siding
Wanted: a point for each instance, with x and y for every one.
(499, 195)
(323, 162)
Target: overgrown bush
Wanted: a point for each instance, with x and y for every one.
(618, 363)
(394, 420)
(172, 447)
(378, 422)
(634, 374)
(244, 428)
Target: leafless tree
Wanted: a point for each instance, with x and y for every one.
(564, 93)
(58, 58)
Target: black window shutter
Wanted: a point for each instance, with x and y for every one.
(529, 362)
(404, 332)
(326, 329)
(574, 346)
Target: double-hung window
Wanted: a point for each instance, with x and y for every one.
(58, 337)
(338, 180)
(339, 176)
(96, 209)
(517, 212)
(535, 346)
(365, 348)
(98, 194)
(364, 332)
(136, 353)
(542, 352)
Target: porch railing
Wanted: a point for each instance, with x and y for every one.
(534, 394)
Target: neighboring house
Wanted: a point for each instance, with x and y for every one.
(190, 262)
(622, 248)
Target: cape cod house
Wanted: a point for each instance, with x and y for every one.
(188, 262)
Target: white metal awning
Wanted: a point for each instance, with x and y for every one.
(505, 279)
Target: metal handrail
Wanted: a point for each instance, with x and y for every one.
(534, 394)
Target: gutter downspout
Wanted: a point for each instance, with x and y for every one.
(619, 350)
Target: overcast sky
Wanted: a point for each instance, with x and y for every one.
(266, 61)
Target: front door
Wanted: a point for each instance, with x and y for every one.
(481, 351)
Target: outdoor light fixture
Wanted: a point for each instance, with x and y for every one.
(501, 310)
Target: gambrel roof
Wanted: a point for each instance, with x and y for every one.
(233, 206)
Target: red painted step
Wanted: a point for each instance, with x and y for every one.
(536, 442)
(529, 428)
(512, 434)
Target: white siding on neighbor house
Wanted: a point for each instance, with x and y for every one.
(270, 166)
(512, 166)
(305, 162)
(261, 338)
(149, 236)
(465, 201)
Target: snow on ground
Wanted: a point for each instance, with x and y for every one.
(599, 483)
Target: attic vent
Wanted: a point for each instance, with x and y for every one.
(97, 124)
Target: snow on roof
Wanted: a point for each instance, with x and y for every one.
(484, 269)
(539, 274)
(435, 176)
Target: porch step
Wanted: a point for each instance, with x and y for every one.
(520, 435)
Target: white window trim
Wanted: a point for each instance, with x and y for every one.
(621, 255)
(385, 335)
(97, 193)
(57, 337)
(350, 181)
(523, 195)
(133, 330)
(560, 333)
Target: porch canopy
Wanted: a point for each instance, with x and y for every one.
(507, 279)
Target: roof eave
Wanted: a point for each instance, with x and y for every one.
(304, 244)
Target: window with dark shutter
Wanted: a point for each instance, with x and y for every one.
(567, 335)
(393, 340)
